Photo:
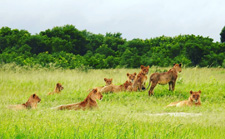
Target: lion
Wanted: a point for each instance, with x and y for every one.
(30, 104)
(164, 78)
(58, 89)
(107, 82)
(116, 88)
(139, 82)
(88, 103)
(194, 99)
(131, 77)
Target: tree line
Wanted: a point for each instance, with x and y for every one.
(68, 47)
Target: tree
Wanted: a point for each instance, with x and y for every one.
(222, 35)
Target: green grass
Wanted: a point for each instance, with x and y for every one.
(121, 115)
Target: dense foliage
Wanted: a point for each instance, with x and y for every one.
(69, 47)
(222, 35)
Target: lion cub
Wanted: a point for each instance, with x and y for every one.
(139, 82)
(131, 77)
(58, 89)
(116, 88)
(88, 103)
(194, 99)
(30, 104)
(107, 82)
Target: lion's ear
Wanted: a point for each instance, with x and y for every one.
(142, 66)
(191, 92)
(128, 74)
(148, 67)
(111, 79)
(180, 64)
(174, 64)
(200, 91)
(95, 90)
(104, 79)
(135, 74)
(34, 95)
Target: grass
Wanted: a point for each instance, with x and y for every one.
(121, 115)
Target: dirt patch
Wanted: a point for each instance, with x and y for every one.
(175, 114)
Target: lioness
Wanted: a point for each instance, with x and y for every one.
(30, 104)
(88, 103)
(139, 82)
(194, 99)
(58, 89)
(107, 82)
(131, 77)
(116, 88)
(164, 78)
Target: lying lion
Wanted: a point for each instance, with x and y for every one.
(107, 82)
(58, 89)
(116, 88)
(164, 78)
(88, 103)
(194, 99)
(30, 104)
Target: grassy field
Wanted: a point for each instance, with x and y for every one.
(121, 115)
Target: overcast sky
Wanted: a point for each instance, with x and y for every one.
(133, 18)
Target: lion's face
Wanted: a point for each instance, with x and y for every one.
(95, 94)
(34, 99)
(59, 86)
(195, 96)
(144, 69)
(177, 67)
(108, 81)
(131, 77)
(126, 84)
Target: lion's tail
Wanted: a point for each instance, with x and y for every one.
(50, 93)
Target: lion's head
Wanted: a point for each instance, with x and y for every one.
(131, 77)
(144, 69)
(195, 96)
(95, 94)
(177, 67)
(34, 99)
(59, 87)
(127, 84)
(108, 81)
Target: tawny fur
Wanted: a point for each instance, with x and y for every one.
(88, 103)
(58, 89)
(139, 82)
(131, 77)
(30, 104)
(107, 82)
(116, 88)
(193, 100)
(164, 78)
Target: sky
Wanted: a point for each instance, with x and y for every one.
(142, 19)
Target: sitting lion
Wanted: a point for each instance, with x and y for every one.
(88, 103)
(30, 104)
(164, 78)
(58, 89)
(116, 88)
(139, 82)
(131, 77)
(194, 99)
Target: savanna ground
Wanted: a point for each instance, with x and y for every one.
(120, 115)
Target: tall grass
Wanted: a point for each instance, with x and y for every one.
(120, 115)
